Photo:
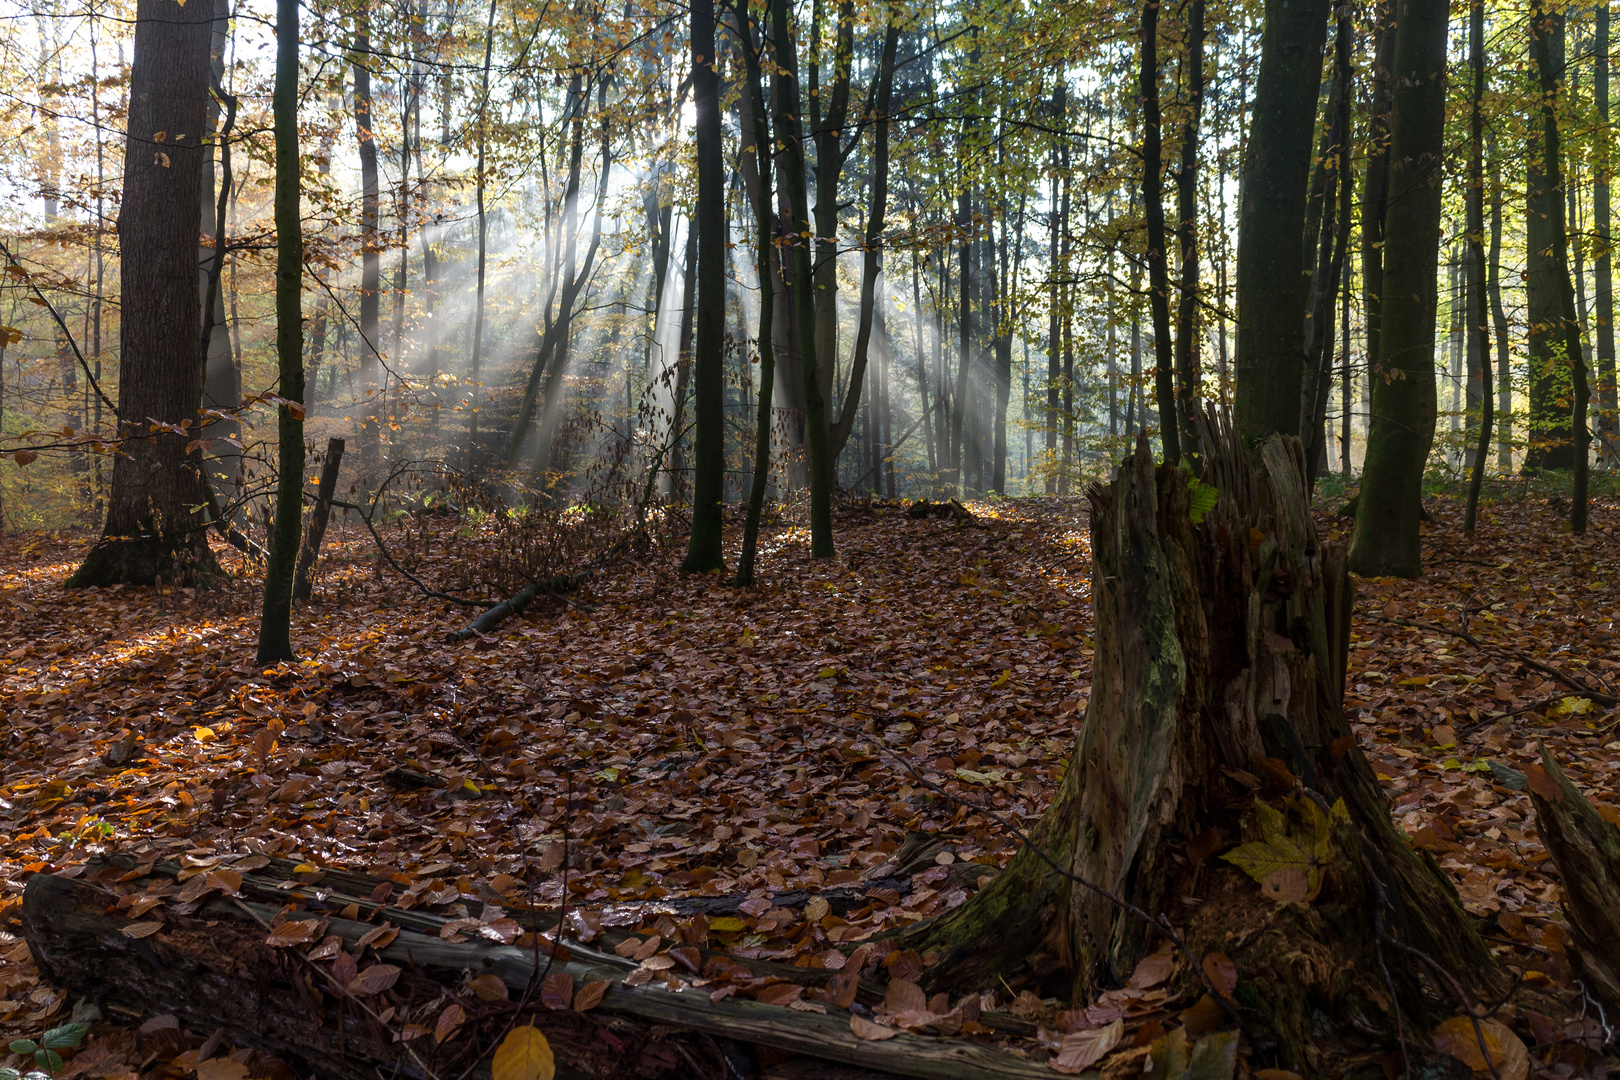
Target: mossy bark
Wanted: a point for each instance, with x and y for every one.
(1217, 682)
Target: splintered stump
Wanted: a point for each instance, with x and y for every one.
(1215, 738)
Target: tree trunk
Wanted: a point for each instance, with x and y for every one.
(275, 624)
(222, 380)
(1499, 323)
(1558, 437)
(1478, 327)
(151, 533)
(827, 129)
(871, 264)
(1375, 188)
(1217, 686)
(1164, 381)
(370, 254)
(1276, 169)
(1054, 352)
(1602, 270)
(705, 549)
(475, 361)
(1401, 429)
(1549, 445)
(790, 132)
(1188, 354)
(756, 137)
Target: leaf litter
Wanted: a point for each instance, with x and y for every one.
(671, 753)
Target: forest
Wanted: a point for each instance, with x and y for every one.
(765, 540)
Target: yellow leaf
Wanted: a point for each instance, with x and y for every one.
(1288, 858)
(523, 1055)
(727, 924)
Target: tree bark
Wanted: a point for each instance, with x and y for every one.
(1401, 427)
(1271, 224)
(151, 534)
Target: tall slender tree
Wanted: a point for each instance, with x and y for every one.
(705, 549)
(790, 132)
(275, 623)
(1164, 381)
(1401, 429)
(1188, 358)
(1477, 319)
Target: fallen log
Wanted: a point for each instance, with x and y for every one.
(494, 616)
(1586, 849)
(215, 966)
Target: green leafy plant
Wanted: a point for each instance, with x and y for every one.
(46, 1052)
(1201, 499)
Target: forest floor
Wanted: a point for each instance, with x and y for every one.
(657, 736)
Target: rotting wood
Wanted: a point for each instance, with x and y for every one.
(213, 968)
(1586, 849)
(1217, 680)
(494, 616)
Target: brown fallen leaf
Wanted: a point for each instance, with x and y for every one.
(141, 929)
(450, 1018)
(292, 932)
(590, 995)
(1508, 1055)
(1083, 1049)
(904, 995)
(374, 980)
(869, 1031)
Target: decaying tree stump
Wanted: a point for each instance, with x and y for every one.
(1216, 698)
(1586, 850)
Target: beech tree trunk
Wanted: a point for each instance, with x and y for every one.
(151, 534)
(706, 550)
(1217, 687)
(275, 624)
(1271, 283)
(1400, 427)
